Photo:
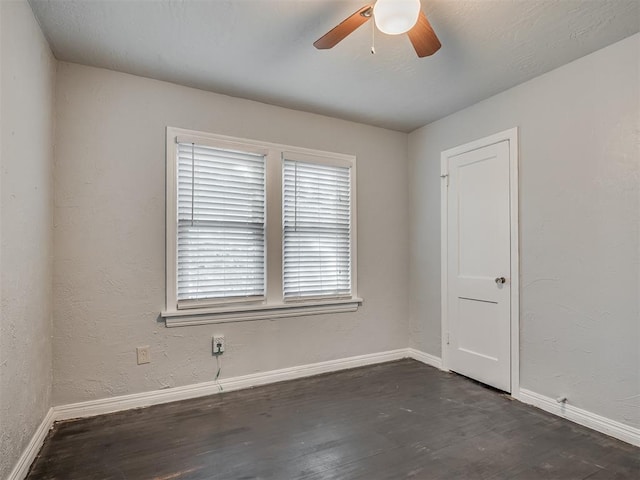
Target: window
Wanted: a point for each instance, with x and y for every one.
(257, 230)
(220, 225)
(317, 230)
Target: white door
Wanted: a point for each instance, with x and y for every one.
(478, 265)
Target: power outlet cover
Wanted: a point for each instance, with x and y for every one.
(143, 354)
(218, 345)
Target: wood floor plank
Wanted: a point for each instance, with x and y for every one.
(390, 421)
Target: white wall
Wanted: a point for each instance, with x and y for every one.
(580, 218)
(26, 211)
(109, 238)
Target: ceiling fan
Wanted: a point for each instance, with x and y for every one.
(392, 17)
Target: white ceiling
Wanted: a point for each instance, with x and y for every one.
(262, 49)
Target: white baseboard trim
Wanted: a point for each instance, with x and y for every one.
(425, 358)
(144, 399)
(615, 429)
(29, 454)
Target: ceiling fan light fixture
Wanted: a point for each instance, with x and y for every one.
(394, 17)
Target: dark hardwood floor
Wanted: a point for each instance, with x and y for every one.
(390, 421)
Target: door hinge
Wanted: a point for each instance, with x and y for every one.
(446, 178)
(447, 338)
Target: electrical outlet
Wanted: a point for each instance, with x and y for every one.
(218, 345)
(143, 354)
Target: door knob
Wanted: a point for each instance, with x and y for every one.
(501, 280)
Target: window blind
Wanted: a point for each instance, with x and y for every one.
(317, 230)
(221, 224)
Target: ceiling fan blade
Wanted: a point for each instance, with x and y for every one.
(347, 26)
(423, 37)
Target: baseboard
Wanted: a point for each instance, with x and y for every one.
(145, 399)
(585, 418)
(425, 358)
(29, 454)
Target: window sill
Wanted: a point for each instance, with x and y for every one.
(228, 314)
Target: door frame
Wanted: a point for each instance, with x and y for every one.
(511, 136)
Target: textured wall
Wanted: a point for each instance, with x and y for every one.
(579, 224)
(109, 238)
(26, 153)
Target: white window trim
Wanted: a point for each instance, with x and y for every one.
(272, 305)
